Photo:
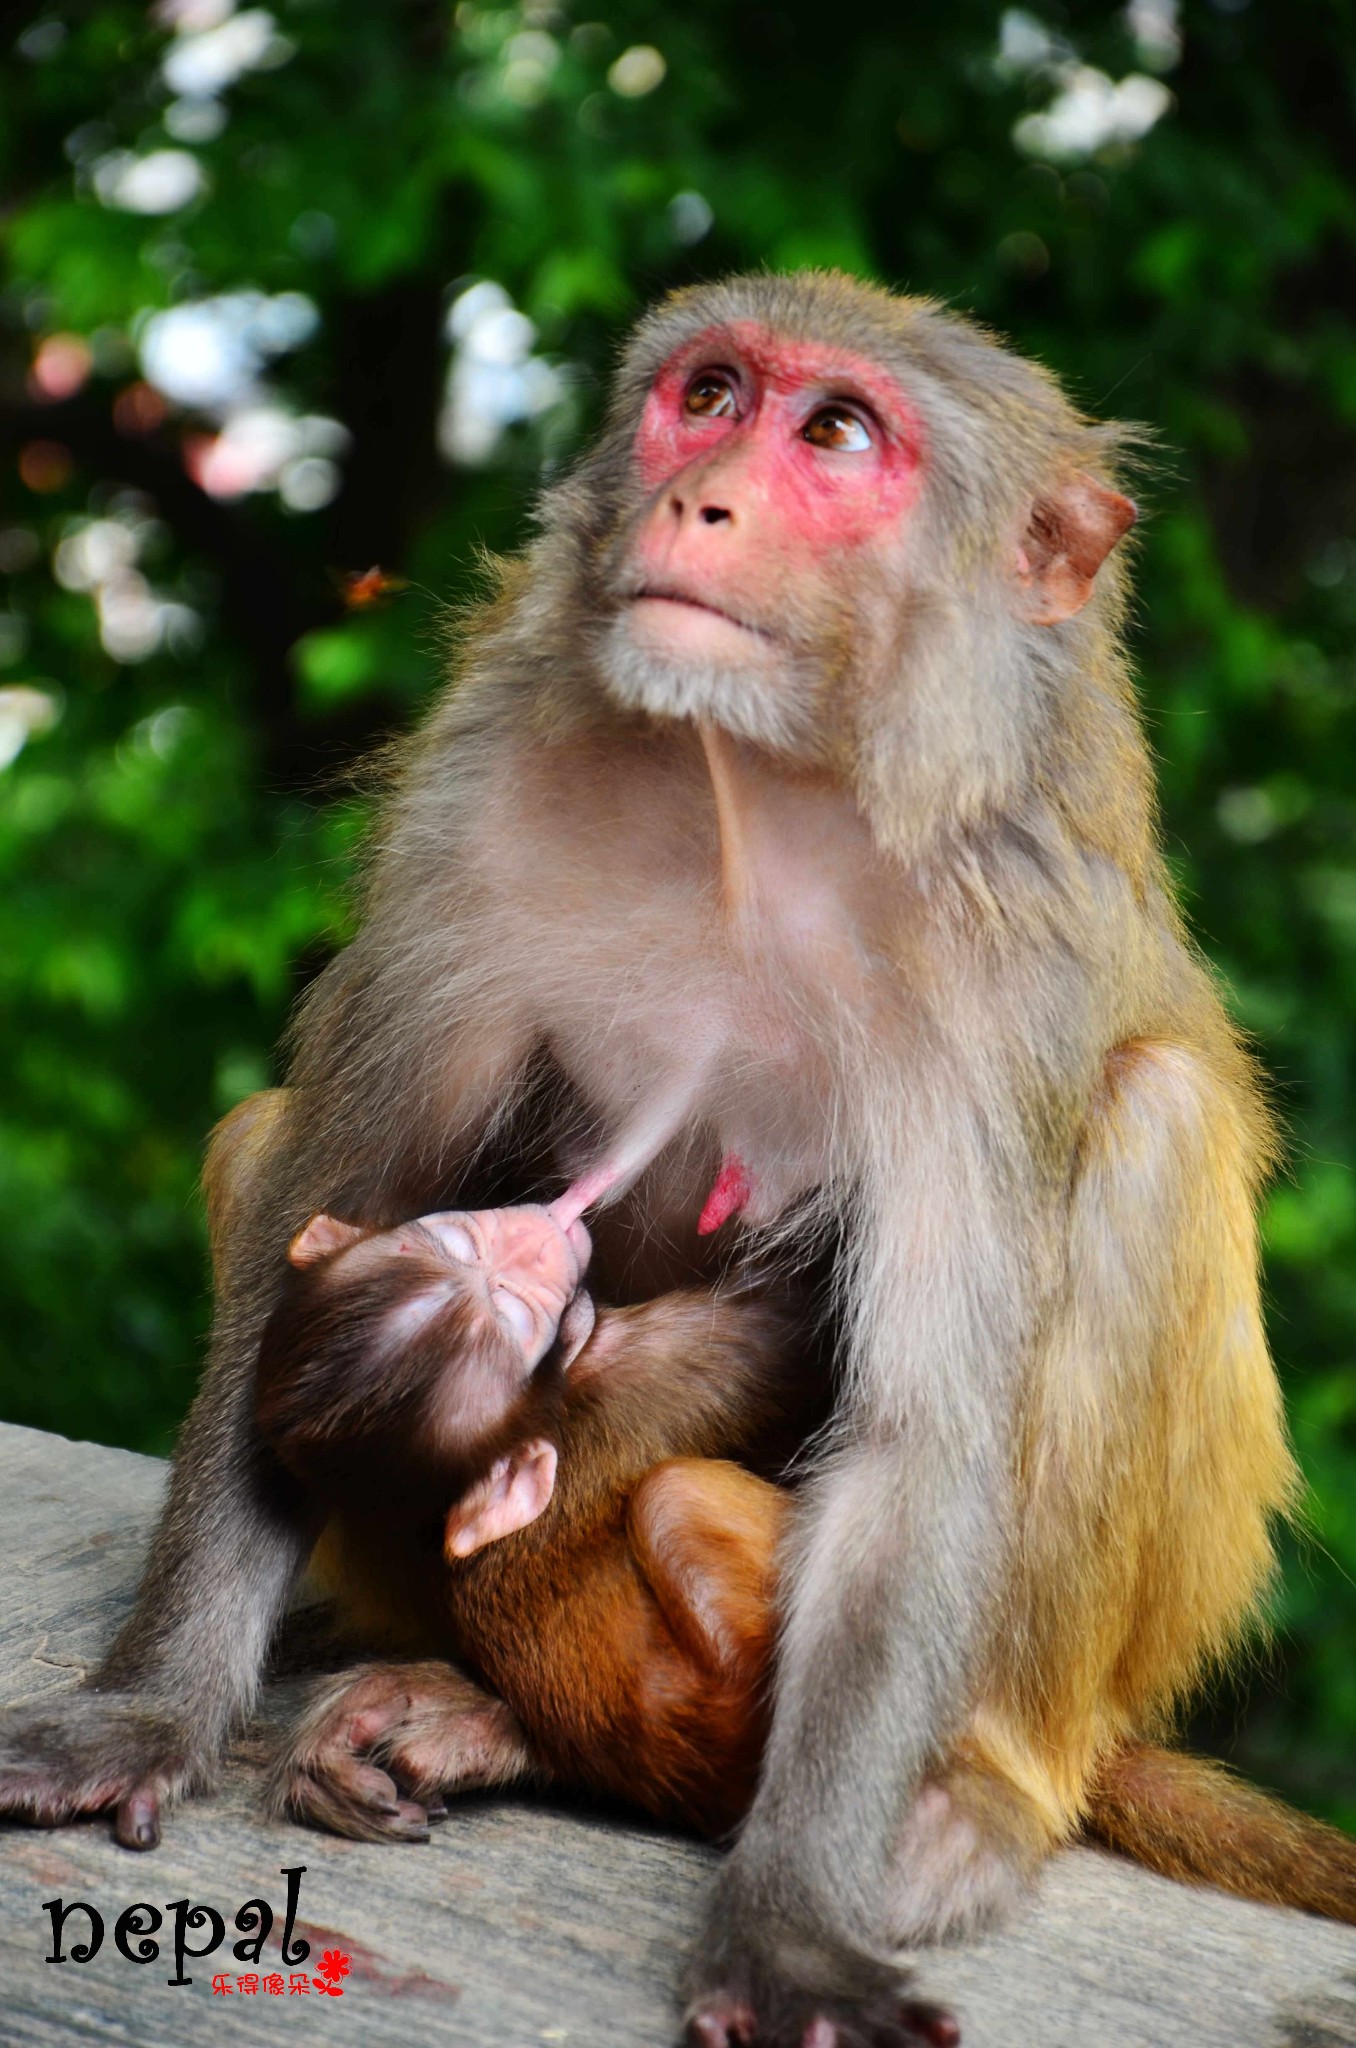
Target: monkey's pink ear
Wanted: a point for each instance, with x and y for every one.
(323, 1236)
(513, 1493)
(1069, 535)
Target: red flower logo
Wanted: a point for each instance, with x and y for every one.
(334, 1967)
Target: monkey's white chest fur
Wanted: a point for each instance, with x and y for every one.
(720, 954)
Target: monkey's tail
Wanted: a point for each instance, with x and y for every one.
(1194, 1820)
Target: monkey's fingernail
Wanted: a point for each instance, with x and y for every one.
(436, 1809)
(413, 1821)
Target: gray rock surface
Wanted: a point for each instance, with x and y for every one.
(521, 1923)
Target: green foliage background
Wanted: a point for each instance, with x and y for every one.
(174, 851)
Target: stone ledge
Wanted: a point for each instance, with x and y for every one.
(522, 1923)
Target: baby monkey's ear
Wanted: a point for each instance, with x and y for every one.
(513, 1493)
(322, 1236)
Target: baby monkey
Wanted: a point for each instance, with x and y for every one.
(403, 1365)
(446, 1384)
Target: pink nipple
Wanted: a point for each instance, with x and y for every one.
(731, 1191)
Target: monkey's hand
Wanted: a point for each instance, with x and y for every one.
(759, 1981)
(377, 1746)
(95, 1752)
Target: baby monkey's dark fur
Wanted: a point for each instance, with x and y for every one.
(349, 1408)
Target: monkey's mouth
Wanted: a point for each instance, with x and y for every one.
(668, 594)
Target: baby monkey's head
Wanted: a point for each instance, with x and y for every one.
(406, 1369)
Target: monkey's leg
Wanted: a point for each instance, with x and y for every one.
(974, 1838)
(705, 1533)
(1061, 1566)
(1154, 1460)
(370, 1734)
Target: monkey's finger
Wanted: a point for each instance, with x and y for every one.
(136, 1824)
(408, 1790)
(365, 1784)
(325, 1804)
(348, 1779)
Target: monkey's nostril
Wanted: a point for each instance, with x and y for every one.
(713, 514)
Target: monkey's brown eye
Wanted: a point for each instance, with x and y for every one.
(711, 395)
(833, 426)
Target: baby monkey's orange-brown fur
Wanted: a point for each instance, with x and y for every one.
(629, 1627)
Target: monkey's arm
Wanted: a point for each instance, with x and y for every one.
(919, 1763)
(355, 1136)
(705, 1534)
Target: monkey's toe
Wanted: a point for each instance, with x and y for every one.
(137, 1821)
(721, 2022)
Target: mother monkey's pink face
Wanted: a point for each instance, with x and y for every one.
(775, 471)
(765, 574)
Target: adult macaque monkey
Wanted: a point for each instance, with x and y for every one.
(789, 826)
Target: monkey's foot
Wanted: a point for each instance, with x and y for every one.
(969, 1852)
(795, 2019)
(378, 1745)
(774, 1971)
(94, 1752)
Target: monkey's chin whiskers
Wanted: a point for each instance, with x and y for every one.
(763, 700)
